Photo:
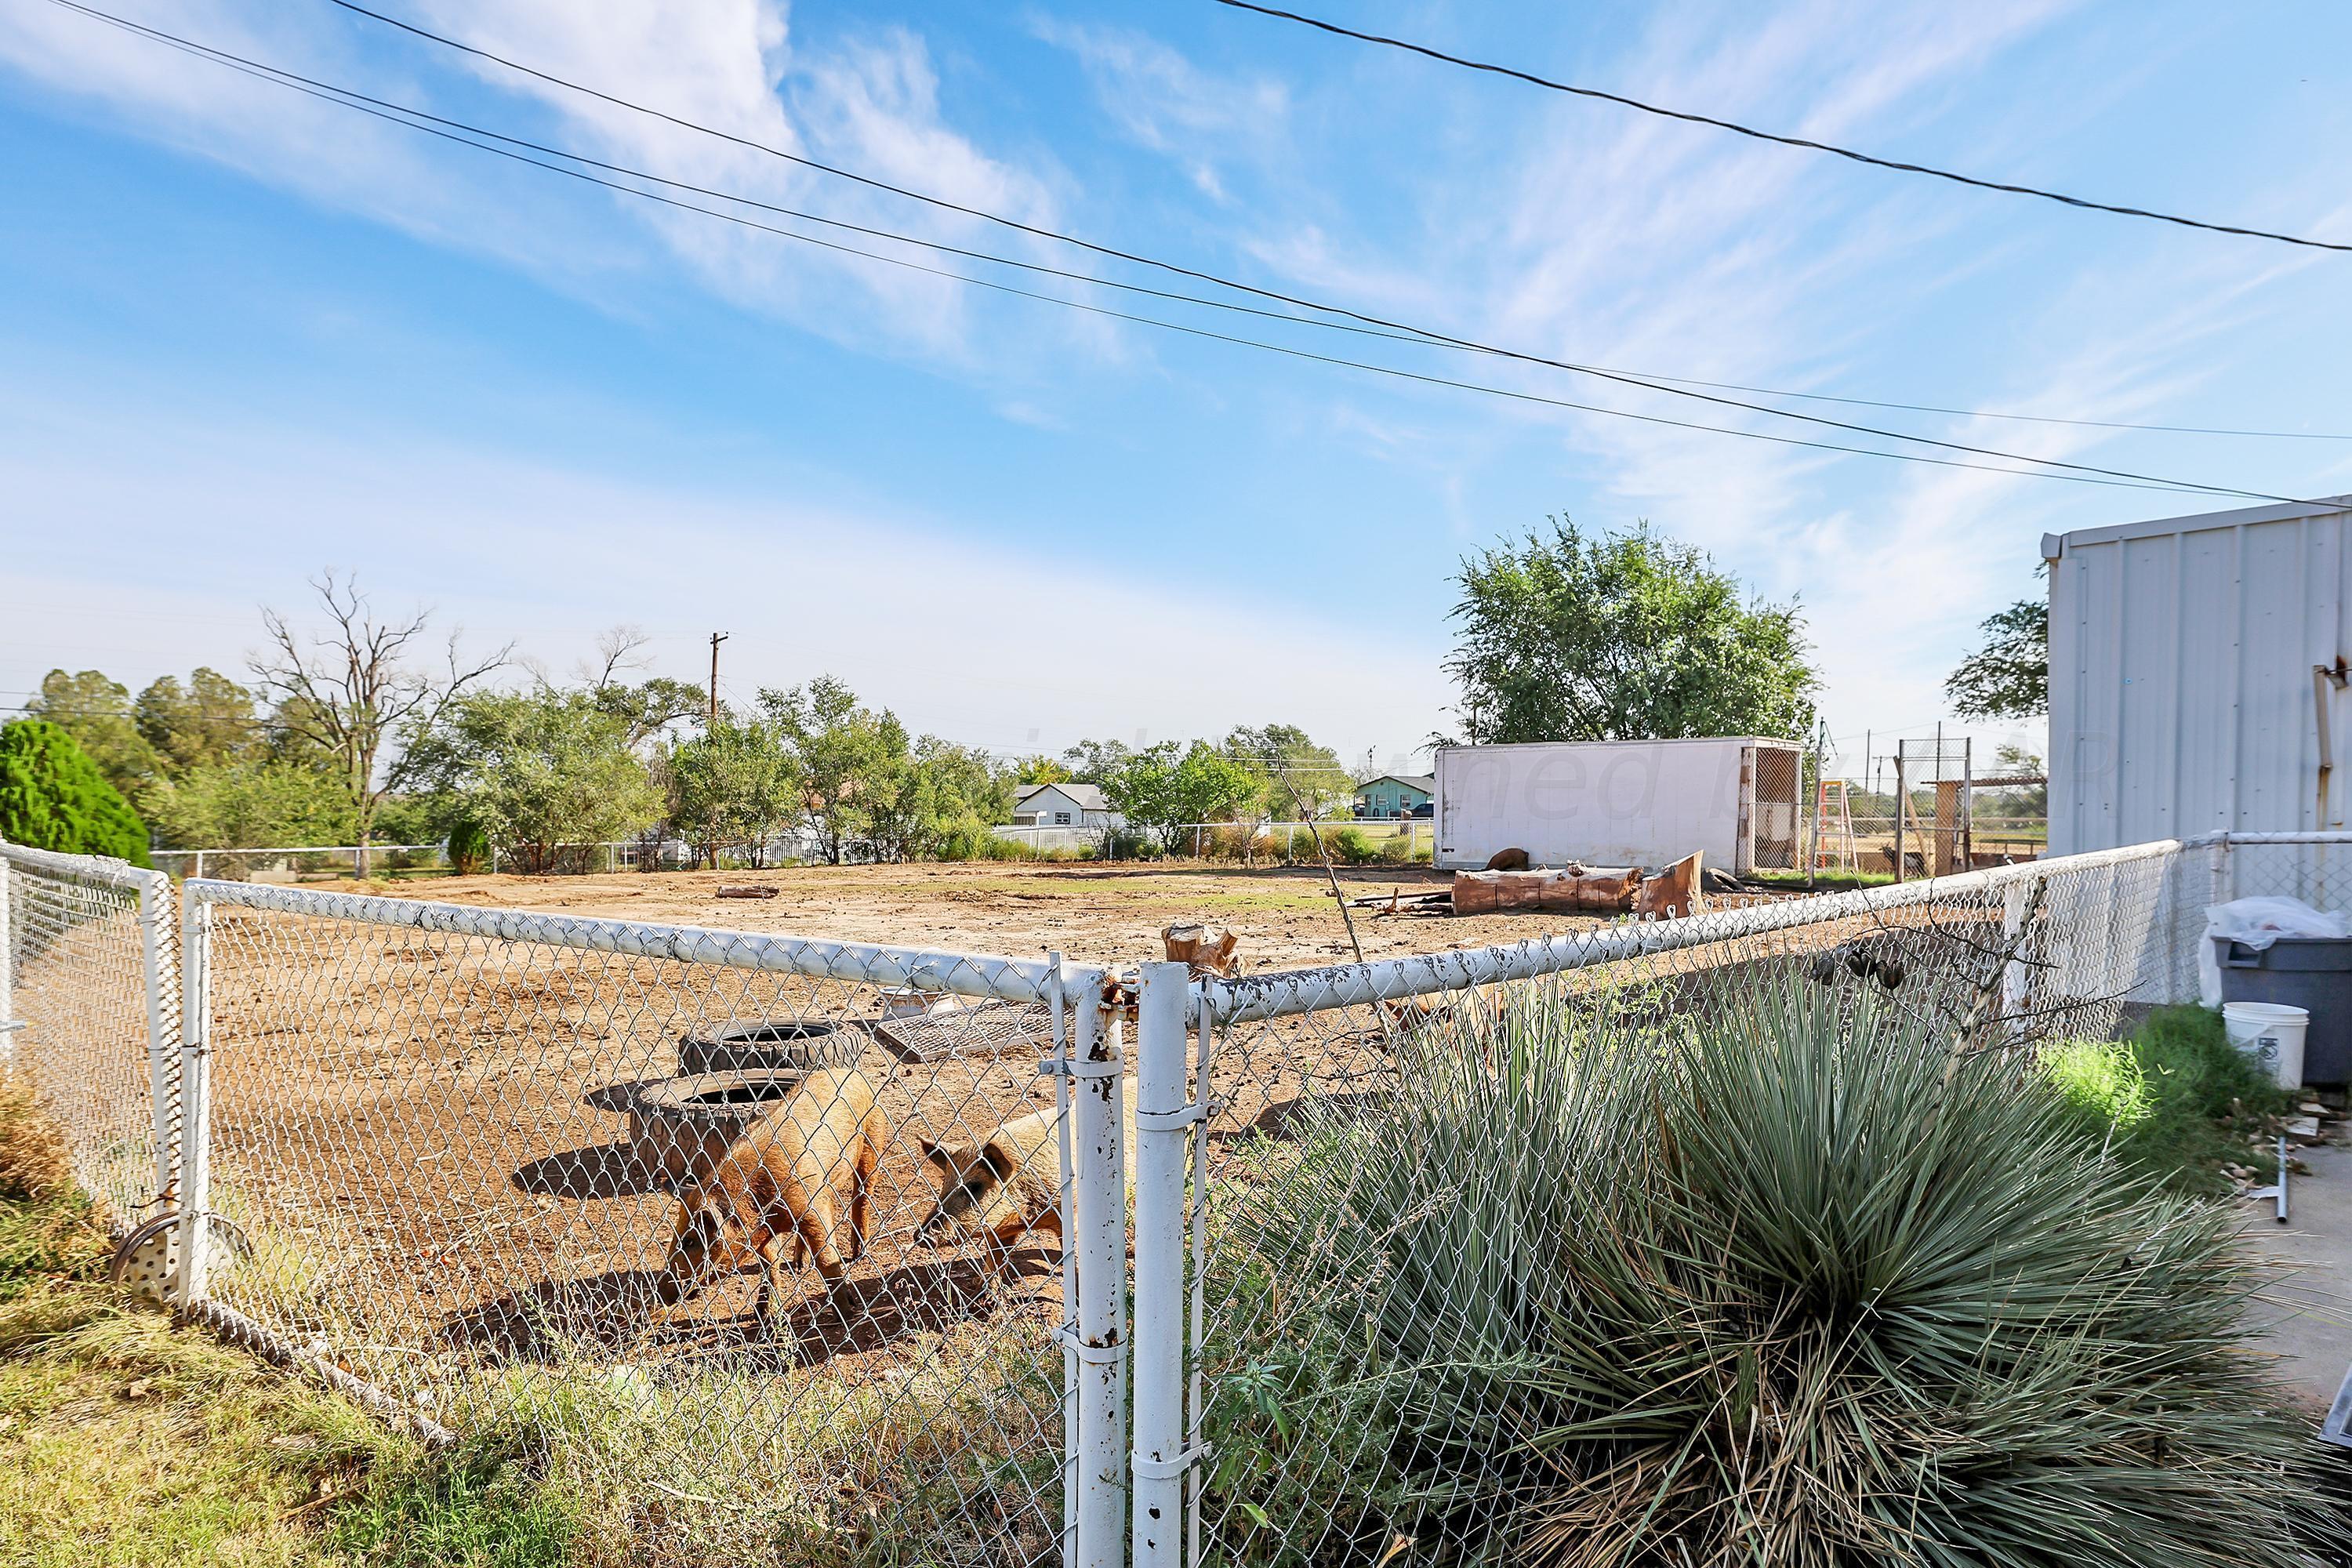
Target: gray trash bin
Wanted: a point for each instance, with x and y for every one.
(2313, 972)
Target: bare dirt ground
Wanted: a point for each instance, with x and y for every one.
(1285, 916)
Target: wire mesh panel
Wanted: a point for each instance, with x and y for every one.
(1779, 815)
(761, 1235)
(87, 955)
(1367, 1267)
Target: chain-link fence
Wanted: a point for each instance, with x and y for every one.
(1334, 1215)
(826, 1246)
(89, 1019)
(766, 1223)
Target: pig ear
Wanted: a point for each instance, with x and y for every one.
(931, 1152)
(999, 1158)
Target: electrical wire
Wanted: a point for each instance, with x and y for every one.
(416, 120)
(1659, 385)
(1802, 141)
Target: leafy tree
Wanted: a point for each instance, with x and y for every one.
(354, 692)
(1092, 761)
(854, 761)
(1041, 770)
(97, 712)
(537, 773)
(648, 706)
(737, 784)
(2008, 676)
(53, 797)
(1165, 788)
(210, 721)
(1294, 771)
(257, 803)
(954, 798)
(1622, 636)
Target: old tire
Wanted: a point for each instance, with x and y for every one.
(771, 1045)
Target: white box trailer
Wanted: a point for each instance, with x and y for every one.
(2198, 675)
(1622, 803)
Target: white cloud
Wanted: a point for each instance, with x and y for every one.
(869, 102)
(1164, 101)
(977, 645)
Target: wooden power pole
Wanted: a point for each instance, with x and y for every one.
(716, 638)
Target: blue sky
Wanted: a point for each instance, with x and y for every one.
(245, 336)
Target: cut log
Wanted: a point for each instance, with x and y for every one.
(1679, 889)
(1551, 892)
(1507, 860)
(746, 892)
(1210, 950)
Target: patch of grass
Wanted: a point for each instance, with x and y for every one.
(2176, 1102)
(477, 1508)
(1823, 881)
(125, 1440)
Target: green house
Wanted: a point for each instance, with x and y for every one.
(1393, 795)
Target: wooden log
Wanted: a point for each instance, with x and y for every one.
(1679, 889)
(1572, 891)
(746, 892)
(1210, 950)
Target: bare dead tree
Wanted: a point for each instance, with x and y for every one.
(350, 690)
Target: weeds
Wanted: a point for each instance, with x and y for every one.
(2177, 1104)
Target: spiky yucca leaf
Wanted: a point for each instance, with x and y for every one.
(1789, 1287)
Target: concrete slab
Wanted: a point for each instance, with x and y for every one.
(2311, 1331)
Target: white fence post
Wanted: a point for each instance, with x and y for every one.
(2217, 869)
(1163, 1115)
(8, 1025)
(1098, 1234)
(2014, 974)
(196, 1099)
(163, 1072)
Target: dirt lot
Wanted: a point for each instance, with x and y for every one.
(1093, 914)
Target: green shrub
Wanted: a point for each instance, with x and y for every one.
(469, 848)
(1791, 1287)
(2101, 1080)
(1350, 846)
(2193, 1098)
(52, 796)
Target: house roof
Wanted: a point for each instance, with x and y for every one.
(1085, 796)
(1426, 782)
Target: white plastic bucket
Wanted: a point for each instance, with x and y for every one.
(2272, 1034)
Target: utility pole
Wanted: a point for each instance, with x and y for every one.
(716, 638)
(710, 728)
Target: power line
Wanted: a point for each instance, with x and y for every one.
(1401, 334)
(2150, 482)
(2025, 418)
(1749, 130)
(1428, 333)
(403, 115)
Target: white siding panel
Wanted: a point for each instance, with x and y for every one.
(2180, 665)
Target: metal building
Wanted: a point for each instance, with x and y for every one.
(2198, 675)
(1622, 802)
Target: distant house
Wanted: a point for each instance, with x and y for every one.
(1396, 795)
(1064, 805)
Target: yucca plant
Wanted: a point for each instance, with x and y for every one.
(1795, 1285)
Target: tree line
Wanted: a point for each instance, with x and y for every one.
(370, 730)
(354, 735)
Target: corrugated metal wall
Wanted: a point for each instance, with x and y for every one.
(2180, 675)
